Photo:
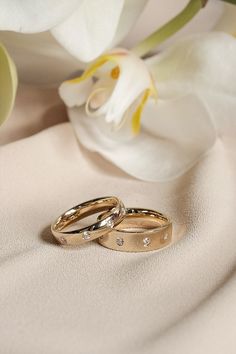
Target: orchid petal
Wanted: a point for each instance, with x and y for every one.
(75, 94)
(222, 108)
(130, 78)
(90, 29)
(136, 120)
(8, 84)
(30, 16)
(197, 64)
(173, 140)
(99, 95)
(133, 80)
(204, 66)
(130, 13)
(91, 70)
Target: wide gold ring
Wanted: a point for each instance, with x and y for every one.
(115, 212)
(141, 230)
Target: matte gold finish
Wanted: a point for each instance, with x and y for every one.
(141, 230)
(115, 212)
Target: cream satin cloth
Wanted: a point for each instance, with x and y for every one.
(91, 300)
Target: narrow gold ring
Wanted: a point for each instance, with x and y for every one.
(141, 230)
(115, 212)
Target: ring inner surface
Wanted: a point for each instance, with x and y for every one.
(84, 210)
(140, 223)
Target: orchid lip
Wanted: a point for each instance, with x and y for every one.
(114, 92)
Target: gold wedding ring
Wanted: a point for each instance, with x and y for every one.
(141, 230)
(115, 212)
(117, 228)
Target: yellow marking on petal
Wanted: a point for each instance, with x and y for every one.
(136, 119)
(115, 73)
(93, 68)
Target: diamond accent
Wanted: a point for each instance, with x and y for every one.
(165, 237)
(146, 241)
(120, 241)
(110, 223)
(86, 235)
(63, 241)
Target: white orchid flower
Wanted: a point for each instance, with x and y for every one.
(34, 53)
(86, 28)
(8, 84)
(194, 78)
(118, 94)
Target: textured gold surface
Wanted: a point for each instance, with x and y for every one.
(141, 230)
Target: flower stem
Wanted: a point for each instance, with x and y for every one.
(170, 27)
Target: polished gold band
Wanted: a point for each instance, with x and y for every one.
(115, 212)
(141, 230)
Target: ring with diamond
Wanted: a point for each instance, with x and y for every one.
(141, 230)
(115, 212)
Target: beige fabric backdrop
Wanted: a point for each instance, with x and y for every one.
(92, 300)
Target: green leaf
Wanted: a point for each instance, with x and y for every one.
(8, 84)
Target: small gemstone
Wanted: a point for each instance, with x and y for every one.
(63, 241)
(165, 237)
(120, 241)
(146, 241)
(86, 235)
(110, 223)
